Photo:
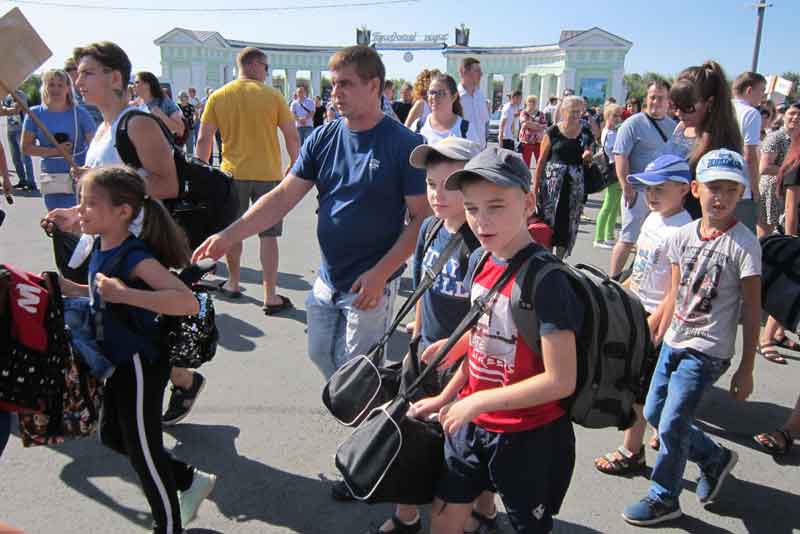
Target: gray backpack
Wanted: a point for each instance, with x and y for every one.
(612, 345)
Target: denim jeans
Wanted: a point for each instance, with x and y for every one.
(337, 331)
(680, 379)
(304, 132)
(78, 319)
(23, 164)
(190, 141)
(5, 429)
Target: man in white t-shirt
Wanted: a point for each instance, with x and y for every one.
(473, 101)
(748, 91)
(509, 121)
(303, 109)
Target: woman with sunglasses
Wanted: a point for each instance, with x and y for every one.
(702, 99)
(446, 116)
(148, 89)
(768, 113)
(421, 107)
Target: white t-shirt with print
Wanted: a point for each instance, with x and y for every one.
(709, 298)
(652, 271)
(750, 125)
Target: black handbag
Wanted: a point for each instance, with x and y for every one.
(595, 175)
(366, 381)
(392, 457)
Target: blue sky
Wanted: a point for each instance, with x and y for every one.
(666, 38)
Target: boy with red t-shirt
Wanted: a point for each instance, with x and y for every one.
(505, 429)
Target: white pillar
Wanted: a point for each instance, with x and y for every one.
(484, 85)
(618, 85)
(316, 82)
(566, 80)
(291, 82)
(526, 85)
(506, 85)
(544, 89)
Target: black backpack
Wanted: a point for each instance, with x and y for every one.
(612, 345)
(207, 200)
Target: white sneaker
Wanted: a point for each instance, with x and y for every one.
(190, 500)
(602, 244)
(611, 242)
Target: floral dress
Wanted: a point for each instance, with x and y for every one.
(561, 192)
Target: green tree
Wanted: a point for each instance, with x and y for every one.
(636, 84)
(794, 77)
(31, 88)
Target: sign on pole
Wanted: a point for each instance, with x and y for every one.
(23, 50)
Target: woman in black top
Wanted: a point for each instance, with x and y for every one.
(189, 114)
(558, 180)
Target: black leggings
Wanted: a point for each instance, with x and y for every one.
(131, 425)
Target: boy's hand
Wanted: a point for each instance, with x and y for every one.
(431, 350)
(741, 384)
(111, 289)
(457, 414)
(424, 407)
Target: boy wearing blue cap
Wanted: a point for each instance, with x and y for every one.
(666, 182)
(505, 428)
(716, 279)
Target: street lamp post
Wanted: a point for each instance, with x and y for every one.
(761, 7)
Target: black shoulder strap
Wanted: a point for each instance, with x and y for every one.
(418, 128)
(479, 307)
(430, 234)
(654, 123)
(464, 128)
(523, 294)
(124, 145)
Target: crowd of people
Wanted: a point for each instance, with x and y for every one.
(699, 171)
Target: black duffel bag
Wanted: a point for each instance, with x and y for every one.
(392, 457)
(367, 381)
(780, 279)
(207, 200)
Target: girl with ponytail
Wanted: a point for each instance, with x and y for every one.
(129, 286)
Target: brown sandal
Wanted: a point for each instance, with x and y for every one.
(769, 442)
(621, 462)
(769, 353)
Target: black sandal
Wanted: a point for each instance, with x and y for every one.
(399, 527)
(486, 524)
(785, 343)
(272, 309)
(769, 353)
(770, 444)
(623, 463)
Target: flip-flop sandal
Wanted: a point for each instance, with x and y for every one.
(786, 343)
(399, 527)
(770, 443)
(272, 309)
(769, 353)
(228, 293)
(622, 464)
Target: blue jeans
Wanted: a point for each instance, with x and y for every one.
(78, 319)
(5, 429)
(60, 200)
(304, 132)
(680, 379)
(337, 332)
(23, 164)
(190, 141)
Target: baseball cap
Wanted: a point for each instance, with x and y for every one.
(455, 148)
(497, 165)
(722, 164)
(664, 168)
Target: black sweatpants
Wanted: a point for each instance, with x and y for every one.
(131, 425)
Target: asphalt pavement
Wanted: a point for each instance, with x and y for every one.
(260, 426)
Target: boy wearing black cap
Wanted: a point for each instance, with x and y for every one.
(504, 425)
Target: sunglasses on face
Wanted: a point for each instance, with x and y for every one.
(437, 94)
(688, 109)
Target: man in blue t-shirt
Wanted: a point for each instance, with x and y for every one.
(366, 188)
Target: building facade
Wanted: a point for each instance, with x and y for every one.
(591, 62)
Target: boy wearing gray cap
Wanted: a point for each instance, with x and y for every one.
(505, 428)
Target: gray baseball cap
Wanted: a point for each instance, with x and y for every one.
(497, 165)
(452, 147)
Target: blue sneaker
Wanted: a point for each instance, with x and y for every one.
(709, 484)
(651, 511)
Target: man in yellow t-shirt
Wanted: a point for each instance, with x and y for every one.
(248, 115)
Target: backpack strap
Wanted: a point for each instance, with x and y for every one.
(419, 125)
(464, 128)
(123, 143)
(523, 294)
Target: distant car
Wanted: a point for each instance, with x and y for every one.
(494, 126)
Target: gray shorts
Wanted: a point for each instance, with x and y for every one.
(633, 218)
(251, 191)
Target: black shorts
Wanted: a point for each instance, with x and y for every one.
(530, 470)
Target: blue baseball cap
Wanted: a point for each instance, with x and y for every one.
(667, 168)
(722, 164)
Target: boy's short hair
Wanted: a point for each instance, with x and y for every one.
(367, 61)
(448, 149)
(249, 55)
(745, 80)
(108, 54)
